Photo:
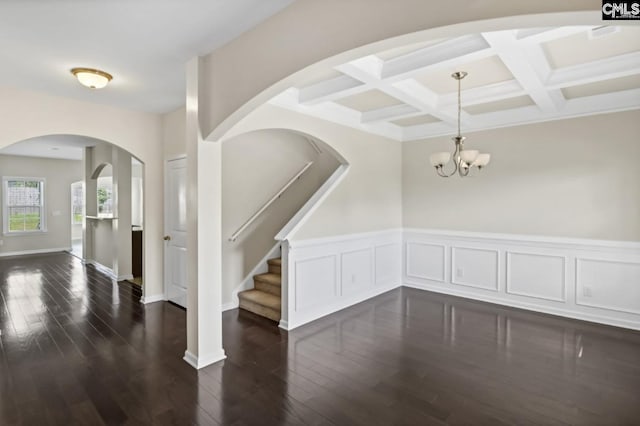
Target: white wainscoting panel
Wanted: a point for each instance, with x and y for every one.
(591, 280)
(357, 271)
(608, 284)
(426, 261)
(388, 263)
(329, 274)
(475, 267)
(537, 275)
(316, 281)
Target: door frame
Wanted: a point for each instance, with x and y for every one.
(166, 221)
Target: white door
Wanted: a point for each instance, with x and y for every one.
(175, 252)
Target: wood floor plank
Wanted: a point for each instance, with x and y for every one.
(78, 349)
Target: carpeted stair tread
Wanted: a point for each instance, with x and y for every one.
(273, 279)
(261, 298)
(276, 262)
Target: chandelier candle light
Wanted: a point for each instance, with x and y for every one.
(463, 160)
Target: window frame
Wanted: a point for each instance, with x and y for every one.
(83, 206)
(5, 205)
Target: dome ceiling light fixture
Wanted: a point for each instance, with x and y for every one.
(463, 160)
(92, 78)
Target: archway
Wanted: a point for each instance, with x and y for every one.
(111, 185)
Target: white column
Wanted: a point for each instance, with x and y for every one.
(204, 234)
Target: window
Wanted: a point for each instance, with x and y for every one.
(105, 196)
(23, 209)
(77, 203)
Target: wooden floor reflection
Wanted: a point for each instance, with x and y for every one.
(77, 349)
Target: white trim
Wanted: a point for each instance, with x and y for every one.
(125, 277)
(100, 267)
(284, 325)
(342, 238)
(203, 361)
(601, 319)
(557, 242)
(303, 301)
(231, 305)
(312, 203)
(569, 250)
(266, 205)
(38, 251)
(319, 312)
(145, 300)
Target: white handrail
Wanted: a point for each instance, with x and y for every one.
(268, 203)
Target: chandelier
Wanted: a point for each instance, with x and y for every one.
(463, 159)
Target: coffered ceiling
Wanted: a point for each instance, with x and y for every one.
(515, 77)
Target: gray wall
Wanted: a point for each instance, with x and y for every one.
(571, 178)
(59, 175)
(108, 242)
(255, 166)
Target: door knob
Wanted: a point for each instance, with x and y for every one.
(167, 238)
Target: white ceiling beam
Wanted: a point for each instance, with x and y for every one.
(529, 66)
(484, 94)
(459, 50)
(579, 107)
(330, 90)
(394, 112)
(408, 91)
(591, 72)
(543, 35)
(336, 113)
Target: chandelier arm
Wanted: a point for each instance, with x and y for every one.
(455, 165)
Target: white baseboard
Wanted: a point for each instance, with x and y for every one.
(125, 277)
(145, 300)
(38, 251)
(100, 267)
(284, 325)
(229, 306)
(527, 306)
(322, 311)
(205, 360)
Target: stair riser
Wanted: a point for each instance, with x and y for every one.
(267, 287)
(275, 269)
(260, 310)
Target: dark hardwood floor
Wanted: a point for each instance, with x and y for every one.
(77, 349)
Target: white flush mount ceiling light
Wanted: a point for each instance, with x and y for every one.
(463, 160)
(92, 78)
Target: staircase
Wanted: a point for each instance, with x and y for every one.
(264, 298)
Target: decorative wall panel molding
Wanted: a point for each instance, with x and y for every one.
(537, 275)
(592, 280)
(427, 261)
(608, 284)
(475, 267)
(329, 274)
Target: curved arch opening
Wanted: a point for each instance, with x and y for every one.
(93, 201)
(312, 70)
